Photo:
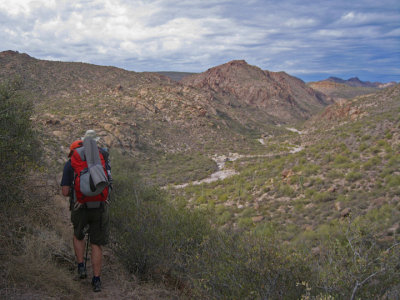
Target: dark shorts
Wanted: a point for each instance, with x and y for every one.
(98, 221)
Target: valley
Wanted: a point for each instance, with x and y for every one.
(231, 172)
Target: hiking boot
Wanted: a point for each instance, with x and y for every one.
(96, 283)
(82, 272)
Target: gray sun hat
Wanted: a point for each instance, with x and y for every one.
(92, 134)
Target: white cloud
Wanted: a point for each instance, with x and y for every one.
(360, 18)
(25, 7)
(300, 22)
(393, 33)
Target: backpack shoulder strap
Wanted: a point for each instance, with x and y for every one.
(105, 153)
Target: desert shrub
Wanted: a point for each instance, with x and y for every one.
(247, 266)
(365, 137)
(354, 176)
(388, 135)
(317, 182)
(223, 197)
(149, 232)
(201, 199)
(311, 169)
(334, 174)
(341, 160)
(246, 222)
(309, 193)
(34, 256)
(363, 146)
(393, 180)
(372, 162)
(352, 262)
(286, 190)
(394, 161)
(18, 144)
(382, 143)
(224, 217)
(323, 196)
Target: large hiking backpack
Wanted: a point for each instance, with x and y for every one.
(91, 183)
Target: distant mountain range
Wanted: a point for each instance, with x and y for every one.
(176, 76)
(356, 82)
(340, 88)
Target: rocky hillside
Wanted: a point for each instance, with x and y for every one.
(352, 110)
(148, 113)
(132, 111)
(280, 95)
(345, 159)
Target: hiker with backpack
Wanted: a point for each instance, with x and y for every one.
(87, 181)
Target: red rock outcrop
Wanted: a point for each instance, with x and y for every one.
(279, 94)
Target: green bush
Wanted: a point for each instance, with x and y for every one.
(354, 176)
(341, 160)
(224, 218)
(352, 264)
(286, 190)
(247, 266)
(151, 234)
(371, 163)
(19, 149)
(245, 222)
(363, 147)
(323, 196)
(393, 180)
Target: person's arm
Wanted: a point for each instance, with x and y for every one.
(65, 190)
(67, 179)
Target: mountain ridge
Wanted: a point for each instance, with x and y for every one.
(276, 93)
(356, 82)
(148, 112)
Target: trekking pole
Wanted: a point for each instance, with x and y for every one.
(86, 232)
(87, 248)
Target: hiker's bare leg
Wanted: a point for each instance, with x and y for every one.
(79, 247)
(97, 256)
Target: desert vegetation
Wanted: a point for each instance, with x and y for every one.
(321, 222)
(343, 258)
(32, 242)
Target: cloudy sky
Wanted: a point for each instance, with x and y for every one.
(308, 39)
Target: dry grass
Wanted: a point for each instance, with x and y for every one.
(36, 258)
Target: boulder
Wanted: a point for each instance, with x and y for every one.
(257, 219)
(345, 212)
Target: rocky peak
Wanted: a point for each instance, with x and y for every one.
(241, 62)
(10, 53)
(276, 93)
(354, 79)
